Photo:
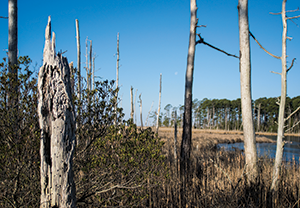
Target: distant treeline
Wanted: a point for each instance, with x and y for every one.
(227, 115)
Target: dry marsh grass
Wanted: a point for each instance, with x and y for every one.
(219, 178)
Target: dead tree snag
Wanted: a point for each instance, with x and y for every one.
(57, 123)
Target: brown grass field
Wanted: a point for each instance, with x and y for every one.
(219, 178)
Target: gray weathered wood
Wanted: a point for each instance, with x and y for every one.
(159, 103)
(78, 60)
(57, 123)
(186, 142)
(246, 100)
(117, 72)
(141, 110)
(281, 120)
(131, 103)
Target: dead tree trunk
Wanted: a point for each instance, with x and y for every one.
(134, 109)
(90, 66)
(246, 100)
(13, 37)
(281, 120)
(78, 61)
(175, 142)
(131, 103)
(87, 64)
(117, 73)
(57, 123)
(141, 110)
(258, 117)
(159, 103)
(186, 143)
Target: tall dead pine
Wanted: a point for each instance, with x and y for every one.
(78, 60)
(159, 103)
(281, 119)
(246, 100)
(57, 123)
(186, 142)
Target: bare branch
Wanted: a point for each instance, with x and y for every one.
(290, 38)
(278, 13)
(295, 111)
(262, 46)
(295, 10)
(291, 65)
(295, 17)
(201, 25)
(295, 23)
(292, 126)
(3, 17)
(278, 103)
(275, 72)
(205, 43)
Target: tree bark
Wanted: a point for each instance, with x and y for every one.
(57, 123)
(117, 73)
(280, 131)
(246, 101)
(13, 36)
(141, 110)
(134, 109)
(258, 117)
(186, 143)
(131, 103)
(175, 142)
(13, 51)
(159, 103)
(87, 64)
(78, 60)
(90, 66)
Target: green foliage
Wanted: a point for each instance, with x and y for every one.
(19, 137)
(113, 162)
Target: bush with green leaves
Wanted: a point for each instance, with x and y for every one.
(115, 162)
(19, 138)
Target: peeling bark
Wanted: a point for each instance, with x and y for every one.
(57, 123)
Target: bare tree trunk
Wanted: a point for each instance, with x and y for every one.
(90, 67)
(78, 60)
(258, 117)
(141, 110)
(159, 103)
(175, 142)
(186, 143)
(117, 74)
(87, 64)
(280, 132)
(13, 36)
(134, 109)
(131, 103)
(226, 117)
(57, 123)
(13, 52)
(245, 76)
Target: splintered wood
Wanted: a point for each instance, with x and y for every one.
(57, 123)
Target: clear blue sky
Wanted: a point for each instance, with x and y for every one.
(154, 39)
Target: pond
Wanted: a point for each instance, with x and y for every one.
(291, 148)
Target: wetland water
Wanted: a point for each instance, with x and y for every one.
(291, 148)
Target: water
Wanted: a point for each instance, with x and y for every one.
(291, 148)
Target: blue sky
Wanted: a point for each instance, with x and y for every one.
(154, 39)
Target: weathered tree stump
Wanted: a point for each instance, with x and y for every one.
(57, 123)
